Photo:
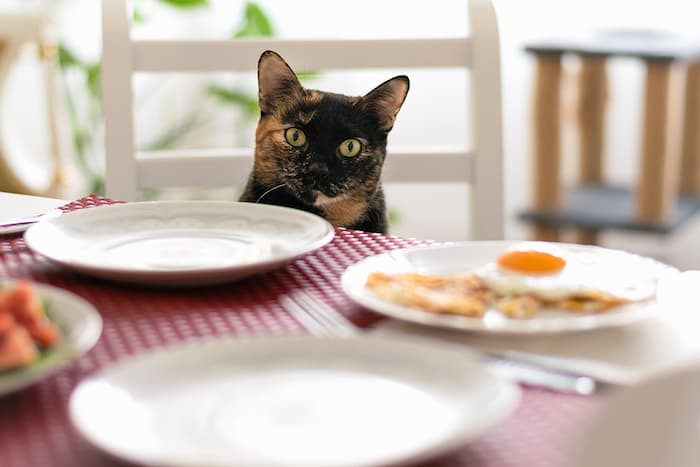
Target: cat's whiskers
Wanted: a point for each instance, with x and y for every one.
(270, 191)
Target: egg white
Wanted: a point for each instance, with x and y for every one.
(576, 278)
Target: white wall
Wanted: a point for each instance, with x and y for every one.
(429, 114)
(523, 20)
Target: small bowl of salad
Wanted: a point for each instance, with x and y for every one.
(42, 328)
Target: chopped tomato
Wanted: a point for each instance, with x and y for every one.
(42, 331)
(23, 303)
(7, 322)
(17, 349)
(24, 326)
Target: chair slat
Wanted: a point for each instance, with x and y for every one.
(221, 167)
(243, 54)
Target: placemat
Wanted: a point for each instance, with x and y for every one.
(34, 426)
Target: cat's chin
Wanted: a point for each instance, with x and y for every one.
(322, 199)
(317, 198)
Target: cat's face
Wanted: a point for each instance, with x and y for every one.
(325, 147)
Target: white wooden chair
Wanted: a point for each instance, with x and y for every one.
(652, 424)
(481, 165)
(18, 28)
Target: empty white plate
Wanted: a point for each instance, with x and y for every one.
(291, 401)
(178, 242)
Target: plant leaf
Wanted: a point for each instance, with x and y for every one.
(308, 75)
(67, 58)
(97, 185)
(259, 18)
(94, 75)
(235, 98)
(175, 133)
(394, 216)
(186, 3)
(79, 138)
(138, 16)
(255, 23)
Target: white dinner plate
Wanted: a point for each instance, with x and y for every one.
(291, 401)
(639, 273)
(80, 325)
(178, 242)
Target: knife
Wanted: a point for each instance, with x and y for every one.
(18, 224)
(535, 375)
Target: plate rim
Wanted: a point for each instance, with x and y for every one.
(500, 407)
(198, 276)
(78, 347)
(586, 322)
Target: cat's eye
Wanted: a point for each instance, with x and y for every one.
(295, 137)
(350, 147)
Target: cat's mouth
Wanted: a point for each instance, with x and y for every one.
(312, 194)
(307, 195)
(320, 199)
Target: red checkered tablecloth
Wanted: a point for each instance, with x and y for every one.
(34, 426)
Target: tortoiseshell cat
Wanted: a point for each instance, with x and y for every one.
(322, 152)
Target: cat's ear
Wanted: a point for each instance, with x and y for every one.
(276, 82)
(386, 99)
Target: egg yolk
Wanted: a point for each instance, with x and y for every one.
(531, 261)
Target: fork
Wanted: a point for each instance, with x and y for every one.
(28, 220)
(321, 320)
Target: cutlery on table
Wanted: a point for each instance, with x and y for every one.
(17, 224)
(323, 321)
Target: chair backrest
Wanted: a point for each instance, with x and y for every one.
(480, 166)
(654, 423)
(18, 28)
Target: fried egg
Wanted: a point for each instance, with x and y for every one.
(551, 273)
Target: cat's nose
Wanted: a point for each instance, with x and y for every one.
(318, 169)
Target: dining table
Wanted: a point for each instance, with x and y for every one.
(35, 428)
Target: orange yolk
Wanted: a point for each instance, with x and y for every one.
(531, 261)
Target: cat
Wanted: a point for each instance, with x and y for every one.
(322, 152)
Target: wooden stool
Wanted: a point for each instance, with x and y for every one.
(667, 191)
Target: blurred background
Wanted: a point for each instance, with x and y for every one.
(50, 128)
